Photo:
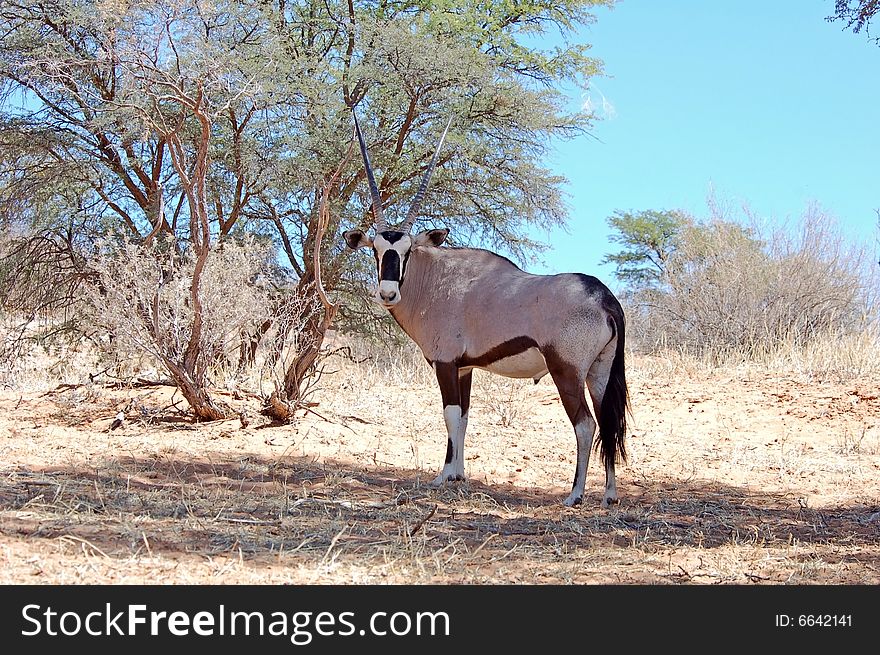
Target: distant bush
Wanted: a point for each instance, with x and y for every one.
(728, 288)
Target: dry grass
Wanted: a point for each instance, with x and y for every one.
(738, 475)
(833, 357)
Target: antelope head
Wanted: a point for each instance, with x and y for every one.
(392, 245)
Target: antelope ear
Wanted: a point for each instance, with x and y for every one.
(356, 239)
(430, 238)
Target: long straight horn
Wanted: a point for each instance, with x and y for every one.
(380, 224)
(413, 213)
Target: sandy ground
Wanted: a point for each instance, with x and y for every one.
(735, 476)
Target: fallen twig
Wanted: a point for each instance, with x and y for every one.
(333, 543)
(418, 525)
(232, 519)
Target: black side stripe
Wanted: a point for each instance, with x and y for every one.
(509, 348)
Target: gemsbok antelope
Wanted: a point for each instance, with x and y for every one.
(468, 308)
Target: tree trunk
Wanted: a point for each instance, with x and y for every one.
(280, 406)
(283, 402)
(300, 368)
(204, 408)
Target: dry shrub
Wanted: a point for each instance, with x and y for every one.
(132, 312)
(142, 300)
(744, 293)
(838, 356)
(380, 362)
(41, 272)
(28, 361)
(252, 318)
(41, 275)
(287, 337)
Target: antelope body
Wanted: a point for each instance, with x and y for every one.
(468, 308)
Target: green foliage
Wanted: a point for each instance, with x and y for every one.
(703, 248)
(649, 239)
(91, 92)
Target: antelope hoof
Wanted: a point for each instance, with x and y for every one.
(609, 500)
(573, 500)
(443, 478)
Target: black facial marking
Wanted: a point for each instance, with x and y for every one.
(392, 236)
(390, 269)
(449, 450)
(507, 349)
(403, 268)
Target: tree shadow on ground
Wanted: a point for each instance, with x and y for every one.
(257, 506)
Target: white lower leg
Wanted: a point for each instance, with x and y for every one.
(584, 433)
(610, 497)
(456, 425)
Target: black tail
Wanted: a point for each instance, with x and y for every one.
(615, 402)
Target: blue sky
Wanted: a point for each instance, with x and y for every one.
(763, 103)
